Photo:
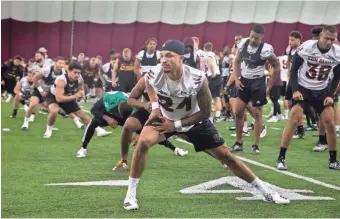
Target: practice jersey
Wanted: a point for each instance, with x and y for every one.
(317, 67)
(215, 63)
(49, 77)
(203, 59)
(148, 61)
(70, 87)
(107, 72)
(225, 66)
(254, 58)
(177, 99)
(283, 67)
(26, 87)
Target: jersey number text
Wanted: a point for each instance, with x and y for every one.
(318, 72)
(166, 103)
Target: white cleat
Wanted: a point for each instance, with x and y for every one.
(48, 134)
(320, 147)
(102, 133)
(31, 118)
(245, 134)
(273, 119)
(276, 198)
(225, 166)
(264, 131)
(180, 152)
(82, 153)
(130, 203)
(24, 126)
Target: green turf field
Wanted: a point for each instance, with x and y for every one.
(29, 162)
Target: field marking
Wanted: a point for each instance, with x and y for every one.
(94, 183)
(244, 187)
(308, 179)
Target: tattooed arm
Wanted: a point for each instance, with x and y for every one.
(204, 102)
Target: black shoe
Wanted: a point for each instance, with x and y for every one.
(13, 116)
(251, 126)
(255, 149)
(236, 147)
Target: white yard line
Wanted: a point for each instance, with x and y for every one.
(308, 179)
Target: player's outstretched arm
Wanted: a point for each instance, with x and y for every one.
(136, 94)
(204, 103)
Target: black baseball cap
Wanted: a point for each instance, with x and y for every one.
(174, 46)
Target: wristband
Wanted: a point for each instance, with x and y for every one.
(40, 89)
(154, 105)
(178, 125)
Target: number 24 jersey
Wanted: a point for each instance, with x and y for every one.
(317, 68)
(177, 99)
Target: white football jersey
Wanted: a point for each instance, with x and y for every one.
(177, 99)
(26, 86)
(258, 71)
(225, 71)
(216, 66)
(317, 67)
(283, 67)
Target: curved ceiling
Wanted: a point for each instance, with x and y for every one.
(174, 12)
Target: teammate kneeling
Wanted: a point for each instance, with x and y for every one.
(136, 122)
(181, 103)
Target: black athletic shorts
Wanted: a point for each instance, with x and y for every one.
(254, 90)
(36, 93)
(98, 83)
(233, 91)
(203, 135)
(275, 92)
(215, 86)
(283, 88)
(289, 92)
(10, 85)
(313, 98)
(142, 116)
(68, 107)
(89, 81)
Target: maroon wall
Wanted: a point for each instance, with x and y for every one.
(24, 38)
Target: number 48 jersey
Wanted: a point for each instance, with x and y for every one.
(317, 67)
(177, 99)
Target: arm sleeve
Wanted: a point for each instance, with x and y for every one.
(98, 109)
(335, 81)
(296, 64)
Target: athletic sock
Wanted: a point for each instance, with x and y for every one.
(332, 156)
(168, 144)
(282, 154)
